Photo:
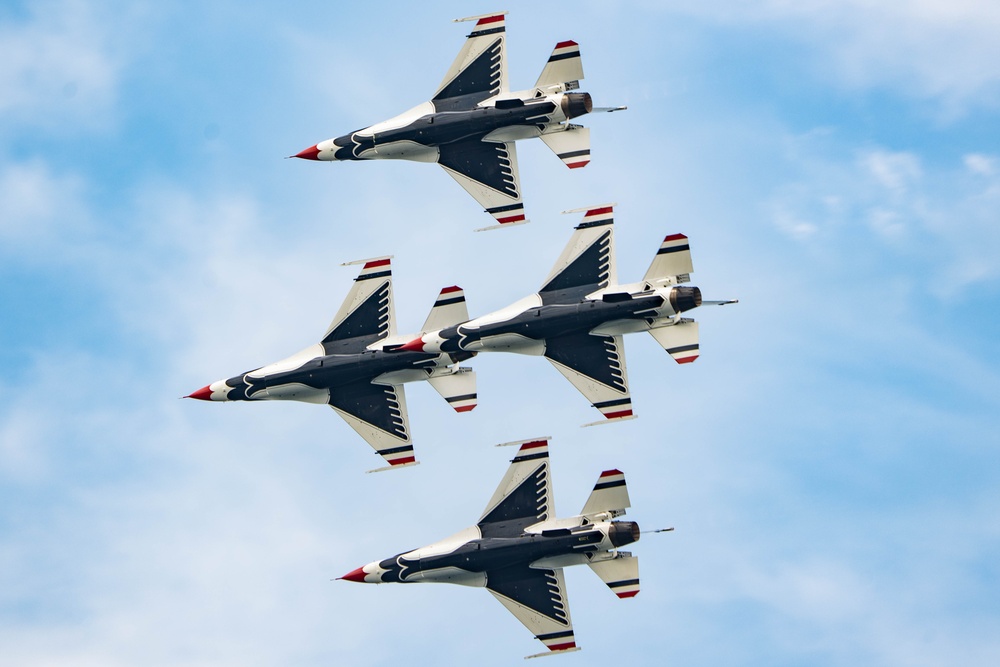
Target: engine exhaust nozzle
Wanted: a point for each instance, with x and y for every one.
(577, 104)
(623, 532)
(685, 298)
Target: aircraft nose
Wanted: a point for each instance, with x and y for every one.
(367, 574)
(357, 575)
(311, 153)
(415, 345)
(212, 392)
(323, 151)
(203, 394)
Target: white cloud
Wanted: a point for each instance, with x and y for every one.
(978, 163)
(935, 219)
(946, 51)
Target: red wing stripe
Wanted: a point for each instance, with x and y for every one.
(609, 473)
(490, 19)
(563, 45)
(674, 237)
(599, 211)
(407, 459)
(513, 218)
(623, 413)
(449, 290)
(562, 647)
(376, 263)
(533, 445)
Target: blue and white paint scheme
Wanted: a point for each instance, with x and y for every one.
(357, 370)
(578, 317)
(471, 123)
(518, 548)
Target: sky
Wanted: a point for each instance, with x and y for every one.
(829, 462)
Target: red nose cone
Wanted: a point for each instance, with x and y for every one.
(357, 575)
(415, 345)
(203, 394)
(310, 153)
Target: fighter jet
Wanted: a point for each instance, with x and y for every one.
(352, 370)
(471, 123)
(517, 549)
(577, 319)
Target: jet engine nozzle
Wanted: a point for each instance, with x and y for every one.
(623, 532)
(685, 298)
(577, 104)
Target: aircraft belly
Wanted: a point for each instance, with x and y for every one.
(404, 150)
(449, 575)
(513, 133)
(509, 342)
(294, 391)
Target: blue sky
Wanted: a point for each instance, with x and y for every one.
(829, 462)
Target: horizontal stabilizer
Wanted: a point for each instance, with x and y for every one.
(449, 309)
(610, 495)
(620, 574)
(563, 66)
(680, 340)
(672, 263)
(571, 145)
(459, 389)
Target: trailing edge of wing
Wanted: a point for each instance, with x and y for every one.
(595, 365)
(488, 172)
(524, 495)
(481, 64)
(538, 599)
(367, 310)
(588, 260)
(378, 414)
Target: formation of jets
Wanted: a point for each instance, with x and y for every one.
(576, 320)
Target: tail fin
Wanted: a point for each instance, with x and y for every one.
(672, 263)
(610, 495)
(679, 340)
(564, 68)
(458, 388)
(621, 574)
(449, 309)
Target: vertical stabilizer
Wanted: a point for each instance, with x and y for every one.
(563, 67)
(672, 263)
